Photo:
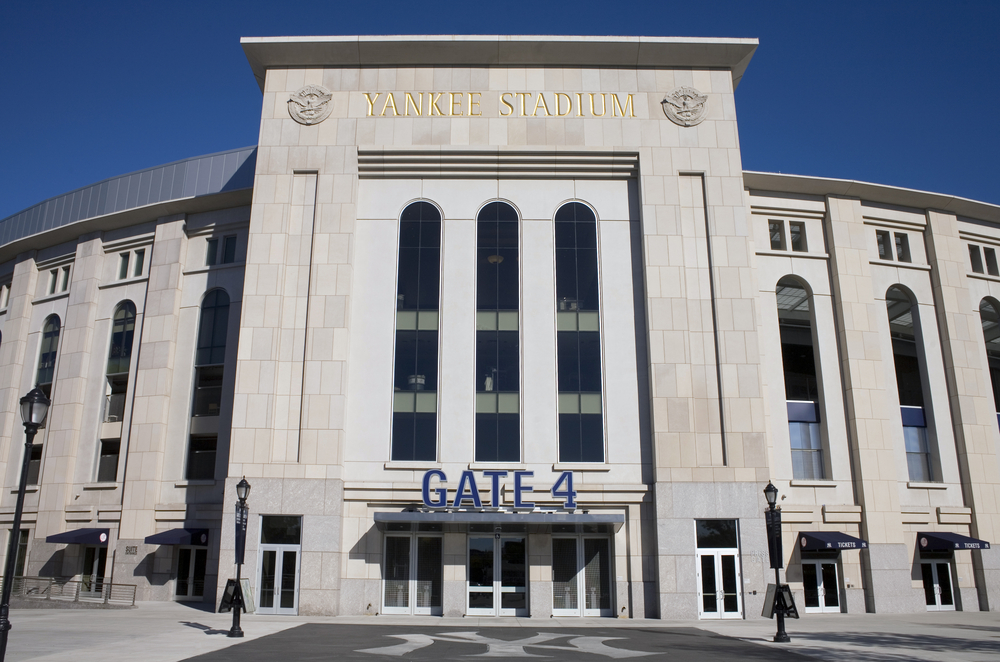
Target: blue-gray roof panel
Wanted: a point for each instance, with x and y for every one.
(202, 175)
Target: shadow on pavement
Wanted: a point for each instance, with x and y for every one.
(882, 646)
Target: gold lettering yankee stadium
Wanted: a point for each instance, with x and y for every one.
(509, 104)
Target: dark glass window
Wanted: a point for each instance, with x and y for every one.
(201, 457)
(47, 355)
(35, 464)
(229, 249)
(902, 247)
(991, 262)
(801, 386)
(776, 230)
(213, 328)
(719, 533)
(977, 258)
(414, 420)
(122, 334)
(990, 317)
(22, 551)
(884, 245)
(910, 379)
(498, 352)
(107, 466)
(797, 234)
(581, 423)
(281, 530)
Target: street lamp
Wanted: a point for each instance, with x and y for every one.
(242, 515)
(773, 519)
(34, 408)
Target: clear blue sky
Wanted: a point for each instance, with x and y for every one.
(901, 93)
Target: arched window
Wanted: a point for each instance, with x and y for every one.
(47, 355)
(801, 386)
(498, 352)
(116, 389)
(209, 360)
(911, 377)
(990, 316)
(581, 425)
(414, 417)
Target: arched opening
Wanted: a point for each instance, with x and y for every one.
(116, 390)
(911, 377)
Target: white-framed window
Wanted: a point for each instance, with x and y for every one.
(983, 260)
(131, 264)
(787, 235)
(220, 250)
(58, 280)
(893, 246)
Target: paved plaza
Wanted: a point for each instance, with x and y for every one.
(169, 632)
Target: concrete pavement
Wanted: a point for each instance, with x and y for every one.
(169, 632)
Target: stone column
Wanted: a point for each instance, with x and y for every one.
(886, 564)
(971, 402)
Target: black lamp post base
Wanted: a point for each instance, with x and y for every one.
(780, 638)
(237, 632)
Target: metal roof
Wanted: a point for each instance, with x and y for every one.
(198, 176)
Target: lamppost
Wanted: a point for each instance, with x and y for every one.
(773, 519)
(34, 408)
(242, 514)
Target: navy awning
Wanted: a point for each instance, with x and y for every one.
(197, 537)
(815, 541)
(942, 541)
(81, 537)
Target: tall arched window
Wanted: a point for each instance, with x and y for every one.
(414, 404)
(911, 376)
(581, 425)
(990, 316)
(801, 386)
(116, 389)
(44, 377)
(498, 351)
(209, 361)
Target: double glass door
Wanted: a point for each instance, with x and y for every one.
(413, 574)
(719, 584)
(581, 577)
(821, 587)
(94, 564)
(498, 576)
(191, 562)
(938, 592)
(279, 579)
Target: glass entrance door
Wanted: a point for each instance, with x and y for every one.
(822, 589)
(94, 563)
(581, 577)
(413, 574)
(278, 579)
(498, 576)
(937, 585)
(718, 584)
(191, 562)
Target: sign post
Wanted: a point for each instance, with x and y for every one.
(242, 517)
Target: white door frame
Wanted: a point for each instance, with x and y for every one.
(279, 551)
(718, 554)
(581, 584)
(935, 565)
(412, 588)
(498, 589)
(820, 588)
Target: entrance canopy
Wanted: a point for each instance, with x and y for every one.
(942, 541)
(461, 522)
(825, 541)
(81, 537)
(198, 537)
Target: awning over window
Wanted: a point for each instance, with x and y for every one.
(197, 537)
(942, 541)
(508, 522)
(826, 541)
(81, 537)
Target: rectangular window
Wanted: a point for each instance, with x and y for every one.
(5, 296)
(212, 252)
(107, 466)
(918, 454)
(991, 262)
(229, 249)
(207, 391)
(22, 553)
(53, 280)
(884, 244)
(140, 258)
(34, 464)
(776, 229)
(807, 450)
(977, 259)
(201, 457)
(797, 235)
(902, 247)
(123, 266)
(65, 280)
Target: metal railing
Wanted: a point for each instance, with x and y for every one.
(73, 590)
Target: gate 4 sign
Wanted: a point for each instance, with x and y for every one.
(467, 489)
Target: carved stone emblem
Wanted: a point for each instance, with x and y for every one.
(310, 105)
(685, 106)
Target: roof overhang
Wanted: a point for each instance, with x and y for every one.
(944, 541)
(195, 537)
(765, 182)
(487, 522)
(825, 541)
(80, 537)
(265, 53)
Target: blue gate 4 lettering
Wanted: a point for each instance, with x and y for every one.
(468, 490)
